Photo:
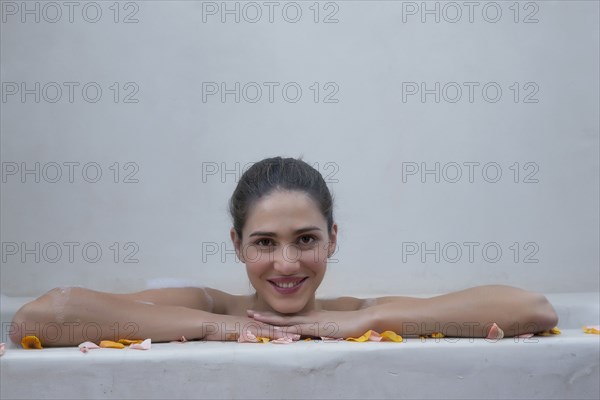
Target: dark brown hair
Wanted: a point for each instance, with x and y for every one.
(278, 173)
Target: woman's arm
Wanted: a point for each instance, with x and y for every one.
(69, 316)
(467, 313)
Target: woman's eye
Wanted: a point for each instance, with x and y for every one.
(264, 242)
(307, 239)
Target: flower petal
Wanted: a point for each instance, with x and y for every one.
(368, 335)
(247, 337)
(391, 336)
(553, 331)
(524, 335)
(31, 342)
(85, 346)
(109, 344)
(128, 342)
(144, 345)
(495, 333)
(283, 340)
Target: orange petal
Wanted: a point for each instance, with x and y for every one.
(109, 344)
(437, 335)
(593, 329)
(31, 342)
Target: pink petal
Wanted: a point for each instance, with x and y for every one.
(85, 346)
(283, 340)
(495, 333)
(182, 340)
(524, 335)
(145, 345)
(375, 337)
(2, 349)
(248, 337)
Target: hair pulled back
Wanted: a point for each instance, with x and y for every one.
(278, 173)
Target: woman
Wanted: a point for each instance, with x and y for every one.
(283, 230)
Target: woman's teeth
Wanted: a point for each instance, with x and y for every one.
(287, 284)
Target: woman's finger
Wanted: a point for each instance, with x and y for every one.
(271, 331)
(270, 318)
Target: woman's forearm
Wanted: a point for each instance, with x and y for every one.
(469, 313)
(66, 317)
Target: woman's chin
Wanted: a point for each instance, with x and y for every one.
(289, 308)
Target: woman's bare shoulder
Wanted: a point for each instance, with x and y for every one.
(345, 303)
(200, 298)
(227, 303)
(348, 303)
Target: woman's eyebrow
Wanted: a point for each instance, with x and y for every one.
(296, 232)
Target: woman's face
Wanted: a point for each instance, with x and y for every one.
(285, 247)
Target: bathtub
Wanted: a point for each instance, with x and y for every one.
(563, 366)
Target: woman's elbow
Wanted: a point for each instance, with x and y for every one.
(34, 317)
(544, 315)
(21, 323)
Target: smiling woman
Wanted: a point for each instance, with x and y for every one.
(284, 232)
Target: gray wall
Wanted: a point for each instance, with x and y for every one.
(373, 129)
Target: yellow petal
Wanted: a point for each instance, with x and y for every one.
(127, 342)
(109, 344)
(263, 339)
(31, 342)
(362, 338)
(595, 330)
(392, 336)
(553, 331)
(437, 335)
(307, 339)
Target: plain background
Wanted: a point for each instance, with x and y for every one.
(187, 154)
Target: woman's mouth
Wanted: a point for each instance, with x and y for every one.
(288, 286)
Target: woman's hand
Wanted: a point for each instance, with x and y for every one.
(231, 328)
(335, 324)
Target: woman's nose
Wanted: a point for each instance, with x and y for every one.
(287, 261)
